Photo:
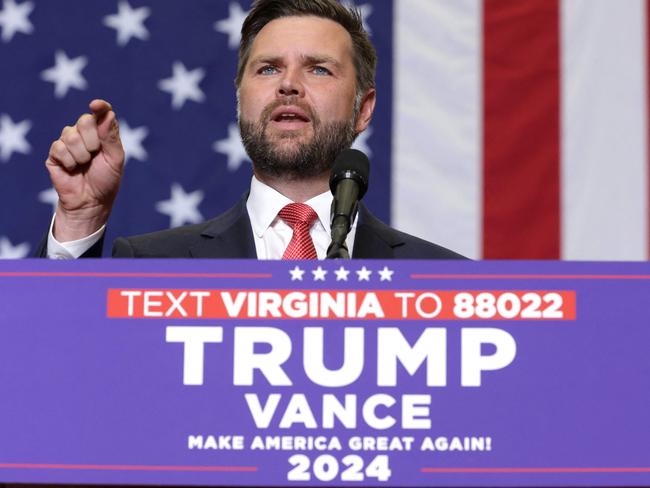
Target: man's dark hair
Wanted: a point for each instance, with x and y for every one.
(264, 11)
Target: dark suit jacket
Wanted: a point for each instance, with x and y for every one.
(230, 236)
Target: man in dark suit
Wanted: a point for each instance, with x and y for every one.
(306, 89)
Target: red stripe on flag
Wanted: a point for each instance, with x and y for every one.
(521, 129)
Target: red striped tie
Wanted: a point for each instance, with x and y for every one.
(299, 217)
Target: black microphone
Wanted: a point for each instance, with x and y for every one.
(349, 183)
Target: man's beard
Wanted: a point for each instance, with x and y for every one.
(300, 161)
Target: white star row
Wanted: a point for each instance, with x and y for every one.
(66, 73)
(128, 22)
(342, 274)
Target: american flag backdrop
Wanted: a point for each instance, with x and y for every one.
(504, 128)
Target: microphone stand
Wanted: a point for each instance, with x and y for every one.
(341, 224)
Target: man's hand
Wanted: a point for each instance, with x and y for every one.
(85, 165)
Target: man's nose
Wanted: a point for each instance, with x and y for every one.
(291, 84)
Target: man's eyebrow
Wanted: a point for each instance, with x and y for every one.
(307, 59)
(266, 59)
(310, 59)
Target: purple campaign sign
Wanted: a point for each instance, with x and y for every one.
(396, 373)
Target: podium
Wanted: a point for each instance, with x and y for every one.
(345, 373)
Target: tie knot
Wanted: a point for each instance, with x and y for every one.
(295, 214)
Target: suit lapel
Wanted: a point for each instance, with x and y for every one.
(229, 236)
(374, 239)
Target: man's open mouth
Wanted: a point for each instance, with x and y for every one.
(289, 115)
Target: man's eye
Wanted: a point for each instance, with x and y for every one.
(320, 70)
(268, 70)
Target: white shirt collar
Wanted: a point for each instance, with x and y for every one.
(264, 203)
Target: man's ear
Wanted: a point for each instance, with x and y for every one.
(365, 111)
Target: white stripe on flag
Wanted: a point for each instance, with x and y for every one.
(437, 168)
(604, 128)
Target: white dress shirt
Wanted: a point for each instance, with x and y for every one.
(271, 234)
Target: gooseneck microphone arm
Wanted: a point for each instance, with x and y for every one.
(349, 182)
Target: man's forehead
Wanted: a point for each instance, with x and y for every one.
(303, 36)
